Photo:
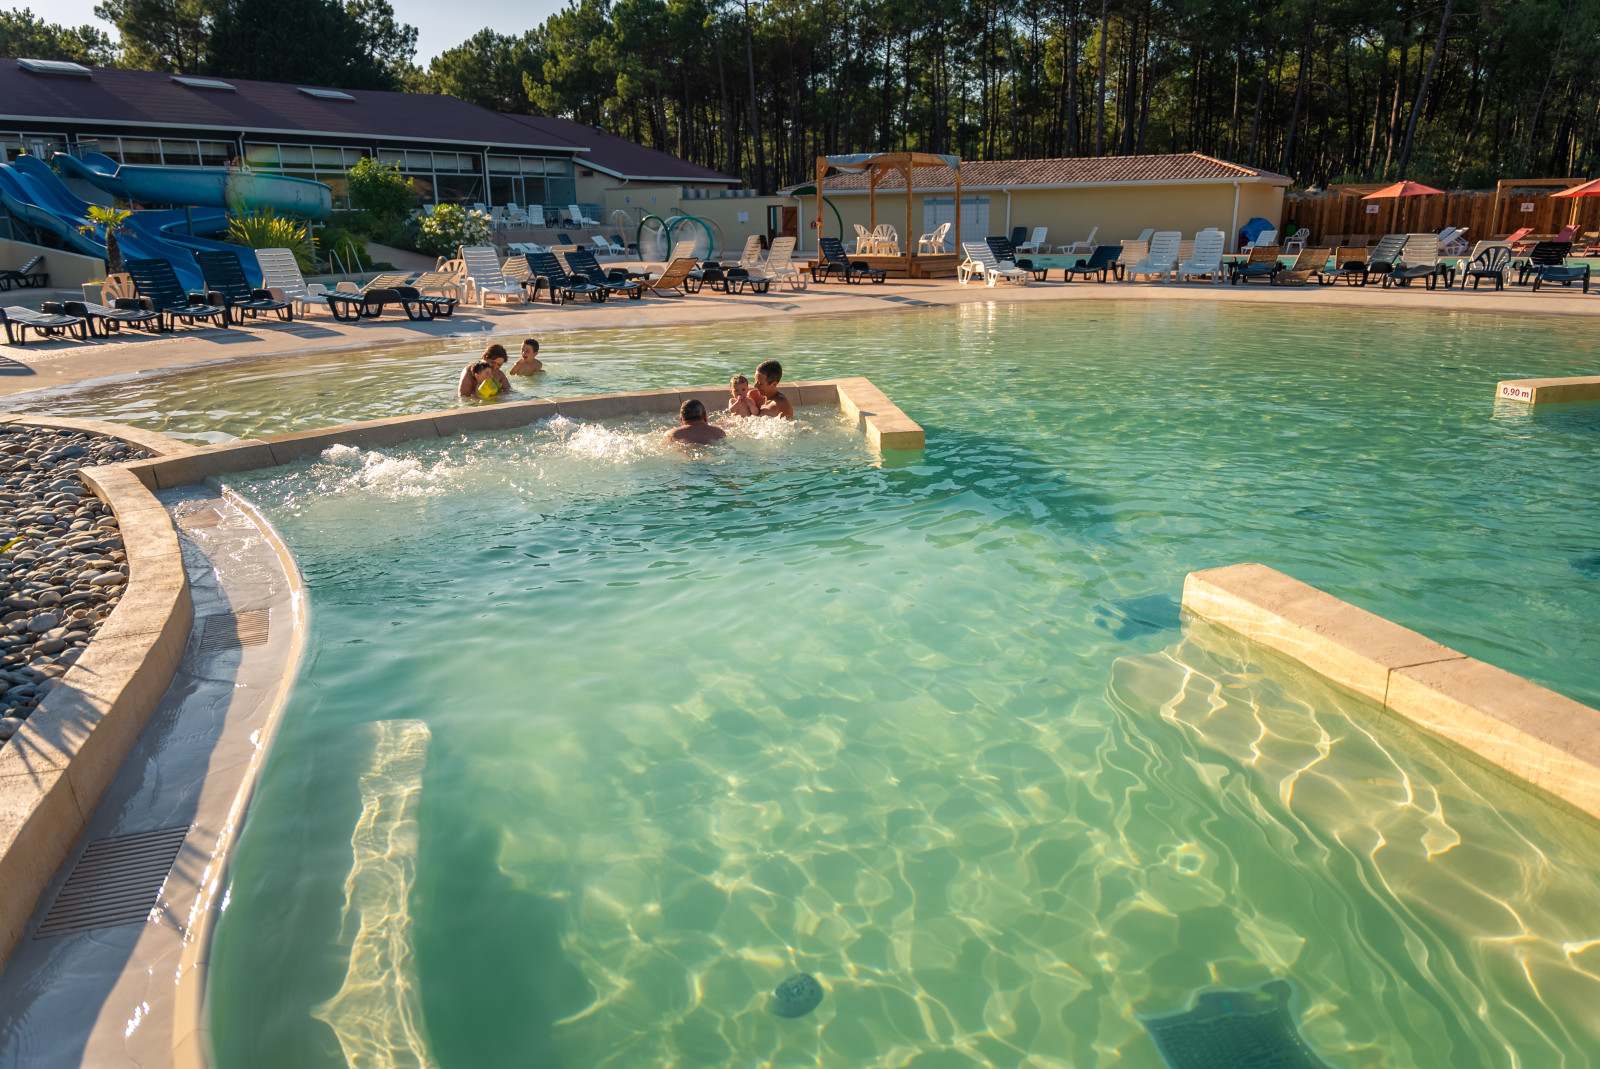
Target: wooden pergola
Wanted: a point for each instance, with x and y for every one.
(876, 165)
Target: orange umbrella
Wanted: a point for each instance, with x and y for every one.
(1588, 189)
(1407, 188)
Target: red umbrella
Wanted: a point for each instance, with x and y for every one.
(1588, 189)
(1407, 188)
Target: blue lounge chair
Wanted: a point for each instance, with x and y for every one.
(25, 277)
(582, 264)
(225, 275)
(1102, 262)
(548, 273)
(19, 320)
(832, 259)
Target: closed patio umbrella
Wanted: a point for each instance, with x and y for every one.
(1407, 188)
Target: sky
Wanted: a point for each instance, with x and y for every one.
(439, 26)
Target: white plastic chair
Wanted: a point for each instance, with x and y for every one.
(280, 273)
(933, 243)
(1036, 244)
(1206, 259)
(1297, 241)
(604, 245)
(1161, 260)
(1085, 247)
(866, 242)
(480, 266)
(780, 265)
(578, 218)
(980, 261)
(1268, 237)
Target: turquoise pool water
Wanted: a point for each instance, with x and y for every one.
(596, 744)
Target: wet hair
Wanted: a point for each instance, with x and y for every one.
(771, 369)
(480, 367)
(494, 352)
(692, 411)
(533, 342)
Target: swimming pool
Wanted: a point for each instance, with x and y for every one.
(607, 743)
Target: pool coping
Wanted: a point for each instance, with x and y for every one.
(1545, 740)
(54, 770)
(1548, 391)
(886, 427)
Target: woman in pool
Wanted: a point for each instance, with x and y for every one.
(485, 378)
(740, 404)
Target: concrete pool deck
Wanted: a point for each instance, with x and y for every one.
(45, 364)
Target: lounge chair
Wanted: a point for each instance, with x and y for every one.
(564, 238)
(1349, 263)
(1453, 241)
(1384, 256)
(1419, 258)
(1490, 262)
(1262, 263)
(1206, 257)
(224, 274)
(1543, 254)
(1144, 235)
(578, 218)
(606, 246)
(1310, 263)
(25, 277)
(831, 258)
(780, 266)
(1550, 265)
(480, 267)
(580, 263)
(549, 273)
(674, 278)
(1086, 246)
(981, 262)
(19, 320)
(1019, 234)
(932, 243)
(158, 282)
(1161, 260)
(1102, 262)
(1035, 244)
(750, 258)
(1266, 237)
(280, 276)
(126, 312)
(1005, 252)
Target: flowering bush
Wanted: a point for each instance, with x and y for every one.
(450, 226)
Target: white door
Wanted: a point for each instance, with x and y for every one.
(936, 211)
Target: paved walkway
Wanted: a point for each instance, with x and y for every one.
(46, 364)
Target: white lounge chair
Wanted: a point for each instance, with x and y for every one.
(933, 243)
(1161, 260)
(1206, 259)
(280, 273)
(439, 284)
(780, 266)
(980, 261)
(1419, 258)
(1144, 235)
(533, 217)
(578, 218)
(1036, 244)
(1453, 241)
(1268, 237)
(751, 259)
(604, 245)
(480, 268)
(1085, 247)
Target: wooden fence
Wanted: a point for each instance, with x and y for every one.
(1342, 211)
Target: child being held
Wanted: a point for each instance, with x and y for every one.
(740, 404)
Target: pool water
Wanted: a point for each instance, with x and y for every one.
(597, 743)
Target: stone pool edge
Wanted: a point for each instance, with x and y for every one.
(58, 764)
(1544, 739)
(886, 427)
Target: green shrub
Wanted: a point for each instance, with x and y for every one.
(267, 229)
(381, 190)
(450, 226)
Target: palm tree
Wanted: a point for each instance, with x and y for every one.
(111, 221)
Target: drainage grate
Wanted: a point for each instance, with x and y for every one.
(1230, 1029)
(116, 881)
(235, 630)
(201, 518)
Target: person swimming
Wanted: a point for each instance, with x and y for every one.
(694, 427)
(766, 398)
(484, 378)
(528, 362)
(740, 404)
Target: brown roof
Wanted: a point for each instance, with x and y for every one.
(619, 156)
(1077, 170)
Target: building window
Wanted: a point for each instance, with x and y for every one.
(141, 150)
(180, 153)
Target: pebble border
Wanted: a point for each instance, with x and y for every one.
(59, 760)
(1544, 739)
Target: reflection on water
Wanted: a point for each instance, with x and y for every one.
(932, 732)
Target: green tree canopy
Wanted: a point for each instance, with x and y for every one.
(24, 34)
(160, 35)
(314, 42)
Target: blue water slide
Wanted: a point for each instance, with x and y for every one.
(204, 187)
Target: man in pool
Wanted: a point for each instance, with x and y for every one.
(765, 396)
(492, 385)
(528, 363)
(694, 428)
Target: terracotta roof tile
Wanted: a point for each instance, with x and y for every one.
(979, 174)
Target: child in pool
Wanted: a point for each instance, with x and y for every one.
(485, 377)
(740, 404)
